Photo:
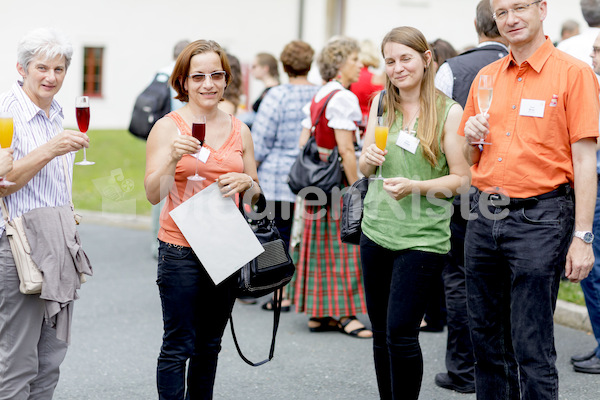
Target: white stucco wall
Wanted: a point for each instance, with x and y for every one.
(138, 36)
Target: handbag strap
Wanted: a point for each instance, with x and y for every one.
(4, 211)
(314, 126)
(380, 107)
(278, 298)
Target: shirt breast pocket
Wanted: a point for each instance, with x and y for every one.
(542, 132)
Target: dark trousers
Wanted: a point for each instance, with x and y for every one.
(460, 360)
(397, 287)
(283, 212)
(195, 313)
(435, 314)
(513, 268)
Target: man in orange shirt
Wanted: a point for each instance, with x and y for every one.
(542, 126)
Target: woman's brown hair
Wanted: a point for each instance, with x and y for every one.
(182, 65)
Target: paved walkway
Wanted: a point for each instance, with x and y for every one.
(117, 335)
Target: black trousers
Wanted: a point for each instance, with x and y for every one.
(460, 360)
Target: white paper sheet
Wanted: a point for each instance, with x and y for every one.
(217, 232)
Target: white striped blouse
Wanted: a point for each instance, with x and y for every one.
(32, 128)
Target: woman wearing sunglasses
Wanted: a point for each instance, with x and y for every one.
(195, 311)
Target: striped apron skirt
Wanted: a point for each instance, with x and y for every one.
(328, 279)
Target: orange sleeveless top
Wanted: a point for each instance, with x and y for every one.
(228, 158)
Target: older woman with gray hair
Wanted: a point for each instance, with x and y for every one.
(30, 351)
(328, 279)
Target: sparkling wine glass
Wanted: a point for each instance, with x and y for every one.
(199, 132)
(485, 92)
(381, 135)
(82, 112)
(6, 136)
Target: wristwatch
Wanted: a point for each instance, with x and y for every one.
(586, 236)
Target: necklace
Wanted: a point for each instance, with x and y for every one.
(410, 123)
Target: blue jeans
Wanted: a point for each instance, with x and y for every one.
(591, 284)
(195, 313)
(513, 268)
(398, 285)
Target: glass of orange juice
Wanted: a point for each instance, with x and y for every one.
(381, 134)
(6, 136)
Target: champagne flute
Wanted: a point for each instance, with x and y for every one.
(485, 92)
(82, 112)
(381, 135)
(6, 136)
(199, 132)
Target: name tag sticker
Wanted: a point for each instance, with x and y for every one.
(203, 155)
(407, 142)
(532, 108)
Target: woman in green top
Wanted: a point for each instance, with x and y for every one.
(406, 233)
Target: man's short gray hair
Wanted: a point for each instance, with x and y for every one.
(46, 43)
(591, 12)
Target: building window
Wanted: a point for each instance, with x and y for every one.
(92, 71)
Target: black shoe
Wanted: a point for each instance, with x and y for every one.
(270, 304)
(591, 366)
(443, 380)
(583, 357)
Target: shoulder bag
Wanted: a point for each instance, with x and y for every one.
(353, 201)
(352, 211)
(310, 170)
(267, 273)
(30, 276)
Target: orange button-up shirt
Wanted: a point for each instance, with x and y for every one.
(531, 155)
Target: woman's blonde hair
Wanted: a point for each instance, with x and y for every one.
(334, 55)
(431, 115)
(368, 54)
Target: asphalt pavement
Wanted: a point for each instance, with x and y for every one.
(117, 330)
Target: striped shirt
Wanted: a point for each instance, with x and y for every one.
(276, 132)
(48, 188)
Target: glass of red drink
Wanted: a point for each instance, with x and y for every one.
(82, 113)
(199, 132)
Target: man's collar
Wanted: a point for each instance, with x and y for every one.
(537, 59)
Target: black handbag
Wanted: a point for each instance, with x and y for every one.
(272, 269)
(352, 211)
(267, 273)
(353, 201)
(309, 170)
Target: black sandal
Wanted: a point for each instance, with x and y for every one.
(269, 306)
(326, 324)
(354, 333)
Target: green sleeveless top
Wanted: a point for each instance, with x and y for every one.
(414, 222)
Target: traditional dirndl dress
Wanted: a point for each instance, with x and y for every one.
(328, 279)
